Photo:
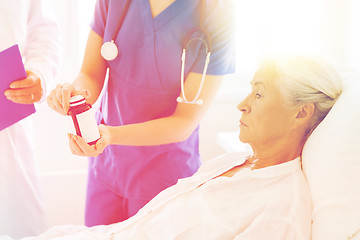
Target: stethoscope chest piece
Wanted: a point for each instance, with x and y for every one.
(109, 51)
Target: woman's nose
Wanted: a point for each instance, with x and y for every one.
(243, 106)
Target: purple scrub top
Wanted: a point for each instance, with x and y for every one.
(143, 84)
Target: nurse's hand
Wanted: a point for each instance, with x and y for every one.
(25, 91)
(79, 147)
(59, 98)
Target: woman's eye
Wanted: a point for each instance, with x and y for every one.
(258, 96)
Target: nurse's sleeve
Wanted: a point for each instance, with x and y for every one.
(220, 23)
(43, 44)
(99, 19)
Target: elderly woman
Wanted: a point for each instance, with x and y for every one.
(237, 196)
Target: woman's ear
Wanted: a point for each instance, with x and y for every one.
(304, 114)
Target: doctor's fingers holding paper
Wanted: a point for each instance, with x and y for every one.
(25, 91)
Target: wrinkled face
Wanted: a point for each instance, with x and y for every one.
(265, 119)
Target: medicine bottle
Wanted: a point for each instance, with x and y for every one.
(84, 119)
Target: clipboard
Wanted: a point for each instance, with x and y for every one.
(11, 69)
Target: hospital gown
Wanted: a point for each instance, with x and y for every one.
(268, 203)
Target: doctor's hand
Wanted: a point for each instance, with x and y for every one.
(79, 147)
(59, 98)
(25, 91)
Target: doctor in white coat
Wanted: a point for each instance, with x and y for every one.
(24, 22)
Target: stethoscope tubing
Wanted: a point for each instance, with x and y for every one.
(196, 99)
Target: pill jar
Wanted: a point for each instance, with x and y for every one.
(83, 118)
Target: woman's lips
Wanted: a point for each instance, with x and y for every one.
(242, 124)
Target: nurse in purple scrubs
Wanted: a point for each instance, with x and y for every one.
(149, 136)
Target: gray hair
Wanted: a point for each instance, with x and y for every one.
(304, 79)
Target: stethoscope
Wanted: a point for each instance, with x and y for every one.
(109, 51)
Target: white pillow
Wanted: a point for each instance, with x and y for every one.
(331, 163)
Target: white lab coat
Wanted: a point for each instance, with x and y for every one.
(24, 22)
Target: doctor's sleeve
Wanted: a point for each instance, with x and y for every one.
(43, 44)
